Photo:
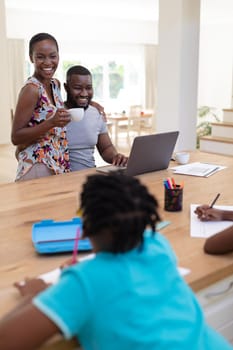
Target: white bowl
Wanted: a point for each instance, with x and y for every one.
(76, 114)
(182, 157)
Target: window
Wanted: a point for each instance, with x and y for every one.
(118, 78)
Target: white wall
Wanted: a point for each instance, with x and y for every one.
(178, 69)
(216, 54)
(5, 119)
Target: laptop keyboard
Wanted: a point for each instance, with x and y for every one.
(110, 168)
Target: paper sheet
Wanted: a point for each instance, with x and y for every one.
(183, 271)
(53, 276)
(197, 169)
(206, 229)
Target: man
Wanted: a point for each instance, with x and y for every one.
(91, 131)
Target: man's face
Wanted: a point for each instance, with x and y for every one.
(79, 91)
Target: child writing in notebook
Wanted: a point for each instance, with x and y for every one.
(129, 296)
(222, 242)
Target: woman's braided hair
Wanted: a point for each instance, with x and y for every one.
(120, 205)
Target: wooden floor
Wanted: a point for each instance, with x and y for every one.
(9, 163)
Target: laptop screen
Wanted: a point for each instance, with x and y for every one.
(148, 153)
(151, 152)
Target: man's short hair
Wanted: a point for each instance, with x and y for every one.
(80, 70)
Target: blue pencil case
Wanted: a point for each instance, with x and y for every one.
(49, 236)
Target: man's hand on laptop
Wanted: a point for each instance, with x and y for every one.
(120, 160)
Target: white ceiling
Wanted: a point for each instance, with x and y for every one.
(112, 21)
(142, 10)
(84, 21)
(123, 9)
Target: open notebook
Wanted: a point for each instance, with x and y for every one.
(148, 153)
(205, 229)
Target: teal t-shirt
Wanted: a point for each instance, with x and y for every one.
(136, 300)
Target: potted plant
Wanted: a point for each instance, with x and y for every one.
(206, 116)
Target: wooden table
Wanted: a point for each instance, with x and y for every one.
(116, 119)
(129, 121)
(56, 198)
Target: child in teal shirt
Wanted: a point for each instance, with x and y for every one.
(130, 295)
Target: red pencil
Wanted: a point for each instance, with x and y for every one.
(169, 183)
(75, 251)
(173, 183)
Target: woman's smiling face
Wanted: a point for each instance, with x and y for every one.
(45, 57)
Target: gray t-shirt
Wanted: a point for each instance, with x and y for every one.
(82, 138)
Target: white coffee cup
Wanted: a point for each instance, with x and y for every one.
(182, 157)
(76, 114)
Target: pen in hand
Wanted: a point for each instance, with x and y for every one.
(75, 251)
(215, 200)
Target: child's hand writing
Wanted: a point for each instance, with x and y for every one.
(205, 213)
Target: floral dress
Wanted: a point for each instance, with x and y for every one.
(52, 150)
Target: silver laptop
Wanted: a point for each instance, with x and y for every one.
(148, 153)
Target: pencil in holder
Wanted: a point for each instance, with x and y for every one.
(173, 199)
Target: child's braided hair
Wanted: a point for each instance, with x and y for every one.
(120, 205)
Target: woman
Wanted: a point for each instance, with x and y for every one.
(40, 117)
